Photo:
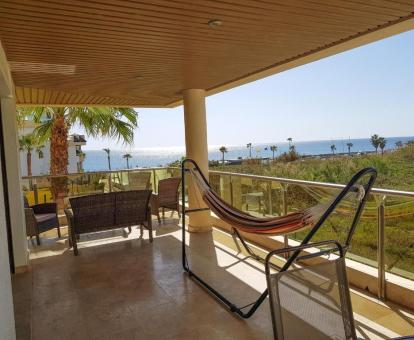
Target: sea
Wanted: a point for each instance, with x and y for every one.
(96, 160)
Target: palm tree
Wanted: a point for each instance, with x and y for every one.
(290, 139)
(223, 150)
(375, 142)
(249, 146)
(127, 156)
(382, 143)
(349, 145)
(399, 144)
(333, 148)
(273, 148)
(28, 143)
(55, 122)
(108, 153)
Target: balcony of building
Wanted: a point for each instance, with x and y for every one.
(123, 286)
(165, 54)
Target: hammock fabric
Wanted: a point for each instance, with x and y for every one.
(245, 222)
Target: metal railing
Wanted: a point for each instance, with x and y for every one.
(379, 217)
(38, 188)
(266, 195)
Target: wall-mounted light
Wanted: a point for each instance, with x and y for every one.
(215, 23)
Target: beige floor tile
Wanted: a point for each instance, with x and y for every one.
(123, 287)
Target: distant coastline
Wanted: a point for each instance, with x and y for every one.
(96, 160)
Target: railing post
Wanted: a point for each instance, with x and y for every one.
(285, 211)
(269, 197)
(154, 186)
(110, 181)
(231, 190)
(36, 193)
(381, 248)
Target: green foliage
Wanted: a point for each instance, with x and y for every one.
(249, 146)
(273, 148)
(177, 163)
(127, 156)
(290, 156)
(381, 143)
(375, 142)
(223, 150)
(28, 142)
(113, 122)
(395, 169)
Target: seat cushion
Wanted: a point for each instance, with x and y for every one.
(46, 222)
(26, 202)
(44, 217)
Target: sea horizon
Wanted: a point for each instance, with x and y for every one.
(212, 146)
(96, 160)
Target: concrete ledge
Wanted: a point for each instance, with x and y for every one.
(200, 229)
(398, 289)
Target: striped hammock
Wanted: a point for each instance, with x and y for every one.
(245, 222)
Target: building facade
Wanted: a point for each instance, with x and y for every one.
(40, 159)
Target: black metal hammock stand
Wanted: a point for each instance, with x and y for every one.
(313, 218)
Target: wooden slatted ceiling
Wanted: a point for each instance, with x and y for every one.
(143, 53)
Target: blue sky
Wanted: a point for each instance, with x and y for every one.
(353, 94)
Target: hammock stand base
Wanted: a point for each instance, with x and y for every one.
(231, 306)
(370, 172)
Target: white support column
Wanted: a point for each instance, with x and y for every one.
(7, 329)
(7, 324)
(17, 220)
(11, 146)
(196, 149)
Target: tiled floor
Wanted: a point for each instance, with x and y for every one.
(123, 287)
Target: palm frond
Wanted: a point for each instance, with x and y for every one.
(43, 131)
(117, 123)
(28, 142)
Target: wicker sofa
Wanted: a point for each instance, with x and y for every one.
(115, 210)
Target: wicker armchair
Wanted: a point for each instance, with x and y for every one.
(139, 180)
(167, 197)
(115, 210)
(40, 218)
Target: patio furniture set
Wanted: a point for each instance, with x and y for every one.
(99, 212)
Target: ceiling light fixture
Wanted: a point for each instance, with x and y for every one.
(215, 23)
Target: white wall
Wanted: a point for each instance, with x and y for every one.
(7, 328)
(17, 219)
(41, 166)
(72, 159)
